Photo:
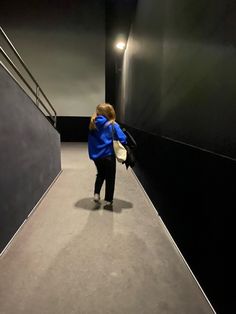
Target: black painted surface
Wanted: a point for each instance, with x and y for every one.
(29, 159)
(119, 15)
(73, 129)
(179, 72)
(177, 95)
(194, 193)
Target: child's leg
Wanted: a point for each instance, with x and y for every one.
(100, 176)
(110, 174)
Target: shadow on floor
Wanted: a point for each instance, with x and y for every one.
(88, 203)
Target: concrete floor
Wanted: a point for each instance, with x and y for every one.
(70, 257)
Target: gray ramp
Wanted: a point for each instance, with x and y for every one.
(71, 257)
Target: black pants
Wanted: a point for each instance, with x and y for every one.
(106, 168)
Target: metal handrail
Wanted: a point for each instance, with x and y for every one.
(38, 88)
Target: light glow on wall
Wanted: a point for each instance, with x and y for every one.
(120, 45)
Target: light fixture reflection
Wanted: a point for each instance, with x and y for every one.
(120, 45)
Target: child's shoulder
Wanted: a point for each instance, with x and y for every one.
(116, 124)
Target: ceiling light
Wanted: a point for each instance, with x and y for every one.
(120, 45)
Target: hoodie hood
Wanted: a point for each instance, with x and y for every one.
(100, 121)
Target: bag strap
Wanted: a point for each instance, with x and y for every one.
(130, 139)
(112, 128)
(112, 131)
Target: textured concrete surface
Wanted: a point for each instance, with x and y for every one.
(29, 158)
(71, 257)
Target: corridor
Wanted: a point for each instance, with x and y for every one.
(73, 257)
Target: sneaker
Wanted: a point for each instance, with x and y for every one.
(96, 198)
(108, 205)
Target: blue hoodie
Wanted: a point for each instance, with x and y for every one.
(100, 140)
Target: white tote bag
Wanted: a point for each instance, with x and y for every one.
(120, 151)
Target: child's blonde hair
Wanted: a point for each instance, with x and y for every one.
(105, 110)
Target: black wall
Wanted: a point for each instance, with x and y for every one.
(119, 15)
(194, 193)
(73, 129)
(180, 62)
(176, 94)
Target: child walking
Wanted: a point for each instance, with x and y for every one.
(102, 129)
